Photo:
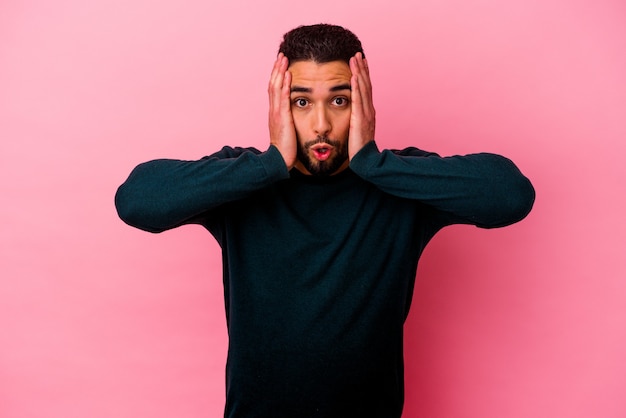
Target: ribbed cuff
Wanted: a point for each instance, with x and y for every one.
(367, 157)
(273, 163)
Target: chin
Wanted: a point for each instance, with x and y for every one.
(324, 168)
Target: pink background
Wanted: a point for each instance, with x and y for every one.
(100, 320)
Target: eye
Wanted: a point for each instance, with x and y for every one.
(300, 102)
(340, 101)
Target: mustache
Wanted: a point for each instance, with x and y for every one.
(322, 140)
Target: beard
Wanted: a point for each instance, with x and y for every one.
(327, 167)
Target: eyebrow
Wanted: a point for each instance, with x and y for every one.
(299, 89)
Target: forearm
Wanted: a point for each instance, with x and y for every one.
(162, 194)
(486, 190)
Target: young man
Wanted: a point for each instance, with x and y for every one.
(321, 234)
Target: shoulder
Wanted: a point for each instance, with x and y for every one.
(233, 152)
(413, 152)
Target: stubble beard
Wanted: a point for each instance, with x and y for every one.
(323, 168)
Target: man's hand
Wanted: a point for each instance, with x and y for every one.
(363, 117)
(282, 128)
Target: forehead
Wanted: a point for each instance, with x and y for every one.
(312, 74)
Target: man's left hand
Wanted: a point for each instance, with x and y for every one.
(363, 117)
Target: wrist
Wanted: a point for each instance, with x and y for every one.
(287, 157)
(354, 149)
(274, 162)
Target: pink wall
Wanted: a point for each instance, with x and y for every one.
(99, 320)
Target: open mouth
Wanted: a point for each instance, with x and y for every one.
(321, 151)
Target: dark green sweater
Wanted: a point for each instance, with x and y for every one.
(319, 272)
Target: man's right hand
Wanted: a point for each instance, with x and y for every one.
(282, 128)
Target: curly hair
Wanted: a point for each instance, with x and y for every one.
(320, 43)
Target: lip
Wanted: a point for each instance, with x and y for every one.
(322, 151)
(322, 145)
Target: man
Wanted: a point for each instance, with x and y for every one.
(321, 234)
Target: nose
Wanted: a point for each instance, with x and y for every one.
(321, 122)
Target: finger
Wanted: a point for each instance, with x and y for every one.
(357, 67)
(274, 74)
(365, 85)
(354, 65)
(278, 79)
(357, 102)
(286, 92)
(285, 86)
(364, 72)
(279, 67)
(366, 66)
(276, 68)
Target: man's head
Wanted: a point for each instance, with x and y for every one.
(319, 57)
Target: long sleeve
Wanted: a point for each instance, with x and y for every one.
(163, 194)
(485, 190)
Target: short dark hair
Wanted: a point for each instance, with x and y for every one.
(320, 43)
